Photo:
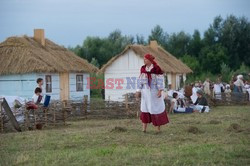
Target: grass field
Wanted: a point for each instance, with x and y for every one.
(221, 137)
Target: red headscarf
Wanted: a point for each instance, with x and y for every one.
(150, 58)
(155, 70)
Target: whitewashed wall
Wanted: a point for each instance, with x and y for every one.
(125, 66)
(55, 94)
(23, 85)
(18, 85)
(75, 95)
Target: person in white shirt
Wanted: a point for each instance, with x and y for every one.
(177, 106)
(36, 99)
(206, 86)
(228, 93)
(239, 84)
(218, 87)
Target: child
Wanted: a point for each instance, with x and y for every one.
(178, 106)
(39, 82)
(228, 93)
(36, 99)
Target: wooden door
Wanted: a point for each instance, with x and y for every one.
(173, 81)
(64, 86)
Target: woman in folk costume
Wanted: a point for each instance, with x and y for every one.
(151, 85)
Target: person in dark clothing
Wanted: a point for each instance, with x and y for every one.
(201, 103)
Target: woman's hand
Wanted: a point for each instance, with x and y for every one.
(159, 93)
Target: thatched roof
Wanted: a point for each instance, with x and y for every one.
(20, 55)
(167, 62)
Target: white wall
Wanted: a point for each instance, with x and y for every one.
(125, 66)
(18, 85)
(23, 85)
(55, 94)
(76, 95)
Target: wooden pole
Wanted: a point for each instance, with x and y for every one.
(27, 121)
(85, 104)
(45, 117)
(34, 115)
(64, 112)
(54, 114)
(1, 117)
(126, 101)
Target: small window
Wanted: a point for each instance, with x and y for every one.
(79, 82)
(48, 83)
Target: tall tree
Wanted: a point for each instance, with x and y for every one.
(178, 44)
(159, 35)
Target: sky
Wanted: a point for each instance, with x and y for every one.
(69, 22)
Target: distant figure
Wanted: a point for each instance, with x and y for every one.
(206, 86)
(36, 99)
(238, 88)
(228, 93)
(238, 84)
(218, 89)
(39, 82)
(178, 106)
(201, 104)
(152, 101)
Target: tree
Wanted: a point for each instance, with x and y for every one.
(159, 35)
(212, 57)
(195, 44)
(226, 72)
(192, 62)
(178, 44)
(140, 40)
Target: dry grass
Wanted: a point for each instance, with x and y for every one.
(121, 142)
(20, 55)
(167, 62)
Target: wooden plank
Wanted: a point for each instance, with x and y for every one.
(10, 115)
(64, 86)
(1, 118)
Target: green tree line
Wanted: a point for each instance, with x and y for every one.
(224, 46)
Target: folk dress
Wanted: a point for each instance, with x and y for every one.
(151, 80)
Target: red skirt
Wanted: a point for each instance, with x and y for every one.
(156, 119)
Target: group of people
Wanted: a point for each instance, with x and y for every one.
(188, 100)
(153, 107)
(237, 87)
(37, 98)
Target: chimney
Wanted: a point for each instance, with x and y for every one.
(39, 36)
(153, 44)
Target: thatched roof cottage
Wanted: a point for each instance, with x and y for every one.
(128, 63)
(24, 59)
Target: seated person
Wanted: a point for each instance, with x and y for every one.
(201, 104)
(36, 99)
(178, 106)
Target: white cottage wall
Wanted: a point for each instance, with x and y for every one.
(126, 67)
(78, 95)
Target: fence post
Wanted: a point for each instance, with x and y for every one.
(27, 121)
(126, 101)
(54, 114)
(34, 115)
(85, 108)
(1, 117)
(64, 112)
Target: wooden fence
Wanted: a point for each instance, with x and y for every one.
(59, 112)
